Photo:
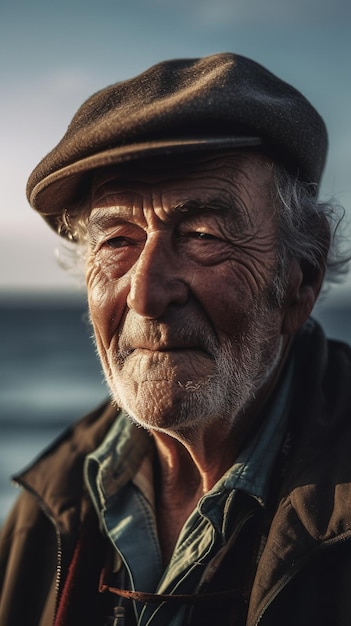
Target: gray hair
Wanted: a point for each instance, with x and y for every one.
(309, 230)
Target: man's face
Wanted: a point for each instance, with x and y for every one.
(179, 274)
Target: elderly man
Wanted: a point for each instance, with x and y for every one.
(214, 486)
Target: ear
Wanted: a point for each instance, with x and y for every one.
(305, 281)
(304, 286)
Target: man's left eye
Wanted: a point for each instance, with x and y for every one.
(117, 242)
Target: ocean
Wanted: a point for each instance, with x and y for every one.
(50, 374)
(49, 377)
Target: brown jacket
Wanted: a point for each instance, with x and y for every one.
(52, 551)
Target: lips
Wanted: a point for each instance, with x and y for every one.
(168, 347)
(163, 348)
(167, 351)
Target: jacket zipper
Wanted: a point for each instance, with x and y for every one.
(58, 541)
(59, 559)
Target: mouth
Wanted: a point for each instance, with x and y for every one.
(168, 348)
(165, 339)
(166, 352)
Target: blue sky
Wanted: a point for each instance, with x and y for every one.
(55, 54)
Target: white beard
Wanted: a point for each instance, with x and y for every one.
(241, 365)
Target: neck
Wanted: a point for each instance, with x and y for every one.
(190, 463)
(184, 472)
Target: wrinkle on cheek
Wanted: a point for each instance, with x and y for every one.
(250, 275)
(107, 302)
(93, 273)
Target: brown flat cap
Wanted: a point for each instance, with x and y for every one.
(214, 103)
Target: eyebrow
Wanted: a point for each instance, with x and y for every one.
(217, 205)
(106, 217)
(193, 206)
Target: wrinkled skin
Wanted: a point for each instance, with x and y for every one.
(179, 278)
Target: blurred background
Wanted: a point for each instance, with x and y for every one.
(53, 55)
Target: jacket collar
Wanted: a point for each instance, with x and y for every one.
(55, 478)
(312, 509)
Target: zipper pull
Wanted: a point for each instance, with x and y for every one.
(119, 613)
(118, 618)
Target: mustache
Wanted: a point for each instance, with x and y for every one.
(170, 334)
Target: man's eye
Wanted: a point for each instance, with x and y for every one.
(201, 236)
(117, 242)
(204, 236)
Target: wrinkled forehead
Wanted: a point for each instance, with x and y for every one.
(236, 164)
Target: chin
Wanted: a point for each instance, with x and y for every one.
(181, 407)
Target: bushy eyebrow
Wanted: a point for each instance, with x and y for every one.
(232, 211)
(195, 206)
(105, 218)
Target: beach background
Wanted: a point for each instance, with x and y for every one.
(53, 55)
(49, 376)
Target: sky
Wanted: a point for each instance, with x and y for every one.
(53, 55)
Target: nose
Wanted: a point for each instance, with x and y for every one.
(156, 280)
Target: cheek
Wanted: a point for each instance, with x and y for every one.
(235, 292)
(227, 299)
(107, 302)
(226, 313)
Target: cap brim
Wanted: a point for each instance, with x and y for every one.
(62, 188)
